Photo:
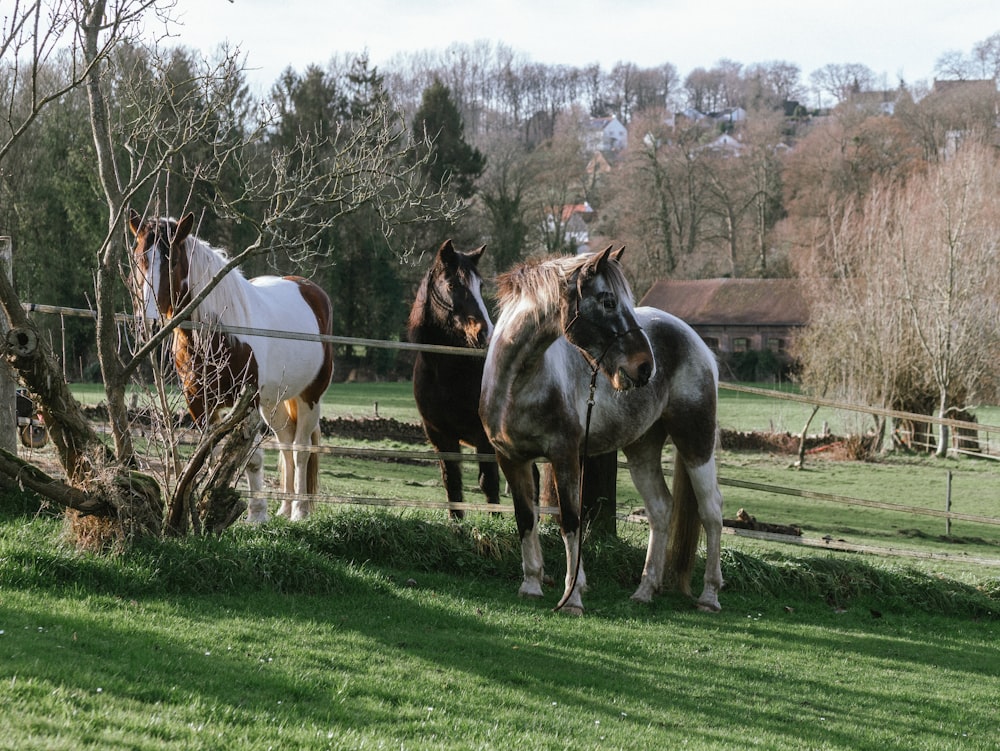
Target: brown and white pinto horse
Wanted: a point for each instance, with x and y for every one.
(568, 339)
(171, 267)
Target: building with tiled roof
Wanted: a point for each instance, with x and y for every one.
(736, 315)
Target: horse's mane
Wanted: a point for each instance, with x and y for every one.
(416, 321)
(228, 301)
(538, 283)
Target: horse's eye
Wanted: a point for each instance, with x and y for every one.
(610, 303)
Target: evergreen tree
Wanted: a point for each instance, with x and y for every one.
(454, 161)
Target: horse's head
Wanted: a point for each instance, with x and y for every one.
(159, 263)
(454, 295)
(599, 319)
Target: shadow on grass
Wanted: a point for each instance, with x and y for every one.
(315, 625)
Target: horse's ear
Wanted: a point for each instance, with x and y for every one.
(184, 227)
(597, 264)
(134, 221)
(617, 255)
(447, 253)
(475, 255)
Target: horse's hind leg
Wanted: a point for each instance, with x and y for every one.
(285, 434)
(704, 482)
(489, 472)
(306, 435)
(646, 470)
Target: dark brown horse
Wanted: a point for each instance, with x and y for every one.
(449, 310)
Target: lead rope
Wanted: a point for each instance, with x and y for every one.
(583, 459)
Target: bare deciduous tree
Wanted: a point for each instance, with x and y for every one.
(289, 196)
(908, 290)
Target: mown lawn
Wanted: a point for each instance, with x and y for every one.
(385, 630)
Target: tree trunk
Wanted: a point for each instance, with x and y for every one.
(944, 433)
(107, 269)
(77, 443)
(205, 497)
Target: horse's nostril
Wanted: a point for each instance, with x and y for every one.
(645, 371)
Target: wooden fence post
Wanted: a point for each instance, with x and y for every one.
(8, 383)
(947, 506)
(598, 501)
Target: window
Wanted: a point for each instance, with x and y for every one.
(776, 345)
(740, 344)
(712, 342)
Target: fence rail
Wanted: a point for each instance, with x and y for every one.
(432, 456)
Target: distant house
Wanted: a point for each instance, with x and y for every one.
(877, 102)
(606, 134)
(736, 315)
(572, 221)
(726, 144)
(731, 115)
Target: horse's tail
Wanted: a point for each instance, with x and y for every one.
(685, 528)
(312, 468)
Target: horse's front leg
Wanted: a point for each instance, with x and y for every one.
(286, 472)
(566, 471)
(451, 469)
(521, 479)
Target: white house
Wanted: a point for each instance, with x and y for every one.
(606, 134)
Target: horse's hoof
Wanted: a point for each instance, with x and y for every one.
(261, 519)
(709, 607)
(643, 594)
(530, 592)
(574, 610)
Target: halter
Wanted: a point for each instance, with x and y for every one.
(437, 299)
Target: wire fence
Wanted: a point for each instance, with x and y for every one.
(430, 456)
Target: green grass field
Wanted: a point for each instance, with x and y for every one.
(369, 630)
(393, 628)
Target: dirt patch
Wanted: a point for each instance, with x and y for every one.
(776, 443)
(373, 429)
(387, 428)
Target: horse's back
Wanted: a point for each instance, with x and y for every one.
(677, 347)
(289, 366)
(688, 377)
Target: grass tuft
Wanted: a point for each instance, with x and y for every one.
(322, 556)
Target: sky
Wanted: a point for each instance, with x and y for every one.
(898, 39)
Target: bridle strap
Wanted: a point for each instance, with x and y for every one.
(438, 300)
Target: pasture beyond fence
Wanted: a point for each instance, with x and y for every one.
(985, 431)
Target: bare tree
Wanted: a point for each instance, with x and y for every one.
(947, 247)
(289, 198)
(843, 80)
(987, 56)
(907, 294)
